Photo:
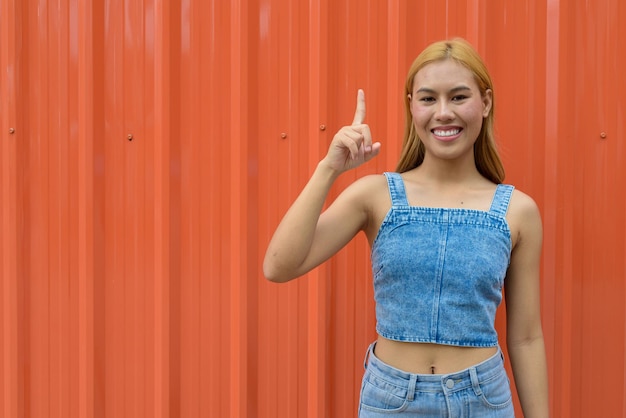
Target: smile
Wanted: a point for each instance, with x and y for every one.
(447, 132)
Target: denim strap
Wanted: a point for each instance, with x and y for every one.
(411, 388)
(501, 199)
(396, 189)
(367, 354)
(475, 383)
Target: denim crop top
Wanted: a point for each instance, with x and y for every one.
(439, 272)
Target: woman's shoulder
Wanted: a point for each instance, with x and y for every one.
(524, 216)
(372, 193)
(369, 183)
(522, 203)
(368, 191)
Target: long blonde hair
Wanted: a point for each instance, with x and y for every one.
(486, 155)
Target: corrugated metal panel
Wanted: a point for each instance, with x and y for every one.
(150, 148)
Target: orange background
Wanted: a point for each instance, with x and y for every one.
(149, 148)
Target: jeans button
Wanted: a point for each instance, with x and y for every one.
(449, 383)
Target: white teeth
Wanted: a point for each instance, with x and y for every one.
(447, 132)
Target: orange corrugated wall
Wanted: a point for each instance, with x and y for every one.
(149, 148)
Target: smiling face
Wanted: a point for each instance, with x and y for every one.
(448, 109)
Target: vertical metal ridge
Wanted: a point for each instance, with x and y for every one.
(12, 323)
(86, 398)
(238, 184)
(162, 382)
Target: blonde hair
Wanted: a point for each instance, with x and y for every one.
(486, 155)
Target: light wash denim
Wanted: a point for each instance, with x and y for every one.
(481, 391)
(439, 272)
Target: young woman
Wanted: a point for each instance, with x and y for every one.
(446, 237)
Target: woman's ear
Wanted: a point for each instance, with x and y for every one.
(487, 102)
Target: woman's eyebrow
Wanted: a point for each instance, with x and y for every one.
(456, 89)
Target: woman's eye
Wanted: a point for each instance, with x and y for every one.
(459, 97)
(427, 99)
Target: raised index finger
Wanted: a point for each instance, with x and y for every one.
(359, 114)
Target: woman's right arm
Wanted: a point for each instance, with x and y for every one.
(306, 237)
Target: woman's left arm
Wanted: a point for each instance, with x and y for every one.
(523, 307)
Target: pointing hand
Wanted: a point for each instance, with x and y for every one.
(352, 145)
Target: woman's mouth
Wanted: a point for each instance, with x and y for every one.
(447, 134)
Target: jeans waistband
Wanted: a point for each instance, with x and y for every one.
(448, 383)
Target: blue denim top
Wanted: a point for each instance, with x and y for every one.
(439, 272)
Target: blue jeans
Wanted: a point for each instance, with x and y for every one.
(480, 391)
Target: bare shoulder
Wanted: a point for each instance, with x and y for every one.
(362, 195)
(370, 184)
(522, 204)
(371, 194)
(524, 217)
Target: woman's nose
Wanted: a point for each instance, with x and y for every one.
(443, 111)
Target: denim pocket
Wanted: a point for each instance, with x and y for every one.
(381, 396)
(496, 391)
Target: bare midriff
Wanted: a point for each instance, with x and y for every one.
(424, 358)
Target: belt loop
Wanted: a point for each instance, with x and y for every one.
(367, 354)
(411, 388)
(475, 382)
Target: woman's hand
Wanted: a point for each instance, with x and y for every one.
(352, 145)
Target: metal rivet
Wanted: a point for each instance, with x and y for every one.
(322, 127)
(602, 135)
(11, 131)
(130, 137)
(283, 135)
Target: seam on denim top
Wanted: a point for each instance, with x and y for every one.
(426, 304)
